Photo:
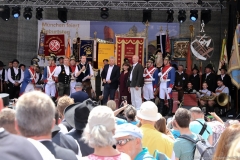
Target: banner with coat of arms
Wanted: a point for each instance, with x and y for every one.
(54, 44)
(128, 47)
(87, 48)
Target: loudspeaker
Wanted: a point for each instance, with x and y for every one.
(147, 15)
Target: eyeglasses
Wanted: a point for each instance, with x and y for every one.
(122, 142)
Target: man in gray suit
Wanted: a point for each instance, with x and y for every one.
(136, 82)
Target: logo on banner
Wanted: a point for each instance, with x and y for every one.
(54, 45)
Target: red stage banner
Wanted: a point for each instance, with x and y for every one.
(54, 44)
(129, 46)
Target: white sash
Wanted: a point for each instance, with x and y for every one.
(161, 78)
(149, 73)
(32, 75)
(50, 74)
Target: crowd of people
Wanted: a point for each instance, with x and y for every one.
(87, 130)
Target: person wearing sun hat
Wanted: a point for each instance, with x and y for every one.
(15, 78)
(129, 141)
(153, 139)
(28, 83)
(99, 132)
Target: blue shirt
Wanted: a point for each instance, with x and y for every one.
(144, 155)
(184, 149)
(196, 127)
(79, 96)
(175, 133)
(120, 121)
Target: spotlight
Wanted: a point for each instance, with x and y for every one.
(39, 13)
(16, 11)
(62, 14)
(27, 14)
(104, 13)
(147, 15)
(5, 13)
(194, 15)
(170, 15)
(182, 16)
(206, 16)
(199, 2)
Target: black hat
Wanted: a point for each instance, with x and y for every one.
(72, 57)
(34, 61)
(1, 64)
(152, 59)
(60, 58)
(52, 57)
(77, 114)
(223, 67)
(15, 60)
(209, 66)
(195, 68)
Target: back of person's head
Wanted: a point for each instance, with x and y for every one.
(196, 113)
(35, 114)
(7, 120)
(160, 125)
(226, 139)
(112, 104)
(63, 103)
(183, 117)
(100, 127)
(130, 113)
(234, 151)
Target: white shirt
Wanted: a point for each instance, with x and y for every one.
(59, 68)
(132, 71)
(16, 72)
(222, 76)
(110, 68)
(6, 75)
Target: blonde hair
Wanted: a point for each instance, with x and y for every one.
(112, 104)
(63, 103)
(234, 151)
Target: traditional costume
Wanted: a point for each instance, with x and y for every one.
(29, 80)
(15, 78)
(48, 77)
(150, 81)
(167, 78)
(73, 78)
(3, 78)
(195, 79)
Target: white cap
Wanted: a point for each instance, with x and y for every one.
(149, 111)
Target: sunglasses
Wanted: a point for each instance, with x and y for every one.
(122, 142)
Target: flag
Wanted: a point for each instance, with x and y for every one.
(68, 49)
(189, 62)
(168, 46)
(234, 63)
(223, 57)
(41, 43)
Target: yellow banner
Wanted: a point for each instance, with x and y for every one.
(104, 52)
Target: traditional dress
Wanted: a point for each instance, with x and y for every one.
(28, 83)
(49, 80)
(150, 82)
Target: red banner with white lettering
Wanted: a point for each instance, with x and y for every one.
(127, 47)
(54, 44)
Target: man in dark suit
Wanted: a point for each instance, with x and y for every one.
(110, 77)
(15, 147)
(180, 83)
(195, 78)
(79, 95)
(136, 82)
(225, 78)
(209, 78)
(39, 117)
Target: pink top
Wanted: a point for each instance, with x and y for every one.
(95, 157)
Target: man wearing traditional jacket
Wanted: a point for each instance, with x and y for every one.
(150, 75)
(48, 76)
(15, 78)
(29, 80)
(167, 78)
(73, 77)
